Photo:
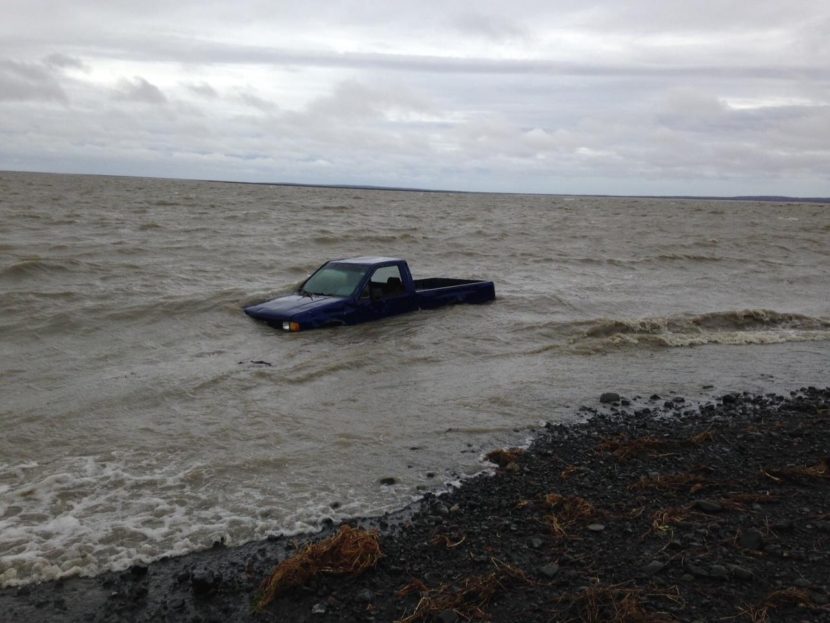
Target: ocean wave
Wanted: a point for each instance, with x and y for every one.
(329, 239)
(60, 312)
(35, 267)
(749, 326)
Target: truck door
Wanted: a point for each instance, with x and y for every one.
(386, 293)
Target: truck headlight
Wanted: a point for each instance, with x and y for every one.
(289, 325)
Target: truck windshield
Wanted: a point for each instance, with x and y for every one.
(334, 280)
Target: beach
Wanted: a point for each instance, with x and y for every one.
(651, 508)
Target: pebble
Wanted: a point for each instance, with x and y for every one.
(596, 527)
(751, 539)
(204, 581)
(447, 616)
(718, 571)
(365, 595)
(708, 506)
(653, 567)
(138, 570)
(820, 599)
(318, 608)
(549, 570)
(739, 572)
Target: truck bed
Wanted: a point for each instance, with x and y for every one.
(440, 291)
(435, 283)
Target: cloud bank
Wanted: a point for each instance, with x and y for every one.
(711, 97)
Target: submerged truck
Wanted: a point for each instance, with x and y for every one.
(359, 289)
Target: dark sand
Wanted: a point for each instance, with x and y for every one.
(652, 510)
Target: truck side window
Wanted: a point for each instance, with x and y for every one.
(387, 282)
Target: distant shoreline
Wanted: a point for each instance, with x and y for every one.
(764, 198)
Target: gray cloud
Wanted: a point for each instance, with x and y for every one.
(203, 89)
(23, 81)
(64, 61)
(139, 90)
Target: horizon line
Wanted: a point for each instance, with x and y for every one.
(373, 187)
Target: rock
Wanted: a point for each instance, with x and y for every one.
(708, 506)
(751, 539)
(549, 570)
(596, 527)
(785, 525)
(318, 608)
(536, 542)
(741, 573)
(365, 596)
(820, 599)
(204, 581)
(609, 397)
(138, 570)
(447, 616)
(653, 567)
(387, 481)
(718, 571)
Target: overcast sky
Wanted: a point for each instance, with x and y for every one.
(692, 97)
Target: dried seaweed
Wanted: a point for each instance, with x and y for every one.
(786, 597)
(350, 551)
(820, 470)
(567, 511)
(693, 480)
(504, 457)
(624, 447)
(617, 604)
(466, 599)
(664, 519)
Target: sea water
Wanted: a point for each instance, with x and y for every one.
(142, 414)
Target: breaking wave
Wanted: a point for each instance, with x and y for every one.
(750, 326)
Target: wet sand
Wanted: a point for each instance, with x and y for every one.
(651, 510)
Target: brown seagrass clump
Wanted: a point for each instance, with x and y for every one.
(350, 551)
(624, 447)
(567, 511)
(467, 598)
(504, 456)
(619, 604)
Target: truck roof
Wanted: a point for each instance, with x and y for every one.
(368, 260)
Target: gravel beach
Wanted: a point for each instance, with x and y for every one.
(651, 509)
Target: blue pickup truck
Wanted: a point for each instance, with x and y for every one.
(359, 289)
